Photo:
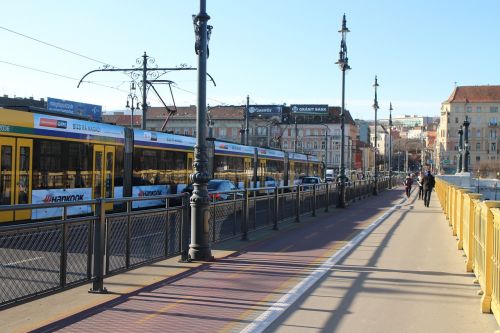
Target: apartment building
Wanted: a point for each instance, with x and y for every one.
(480, 104)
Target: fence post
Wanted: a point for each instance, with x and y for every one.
(327, 203)
(276, 208)
(128, 234)
(244, 223)
(297, 207)
(64, 254)
(99, 236)
(314, 201)
(184, 229)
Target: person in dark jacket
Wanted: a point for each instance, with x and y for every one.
(407, 183)
(428, 184)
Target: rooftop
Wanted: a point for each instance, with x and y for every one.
(475, 94)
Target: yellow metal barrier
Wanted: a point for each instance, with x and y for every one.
(483, 263)
(469, 206)
(461, 192)
(495, 295)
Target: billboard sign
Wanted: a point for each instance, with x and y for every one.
(60, 195)
(264, 110)
(313, 109)
(89, 111)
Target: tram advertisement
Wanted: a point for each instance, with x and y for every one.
(60, 195)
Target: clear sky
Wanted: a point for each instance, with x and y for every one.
(277, 51)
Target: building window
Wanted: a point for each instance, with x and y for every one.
(457, 108)
(315, 144)
(493, 134)
(456, 120)
(285, 144)
(186, 131)
(308, 132)
(222, 131)
(323, 145)
(478, 120)
(493, 147)
(478, 146)
(478, 133)
(478, 158)
(478, 109)
(493, 108)
(493, 121)
(469, 109)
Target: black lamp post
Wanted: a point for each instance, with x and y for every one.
(375, 108)
(343, 63)
(465, 158)
(131, 98)
(199, 249)
(460, 149)
(390, 145)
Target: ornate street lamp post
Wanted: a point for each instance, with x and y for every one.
(199, 249)
(390, 145)
(343, 63)
(460, 149)
(375, 108)
(466, 124)
(132, 97)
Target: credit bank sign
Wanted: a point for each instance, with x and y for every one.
(319, 109)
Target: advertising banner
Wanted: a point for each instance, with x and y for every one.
(60, 195)
(312, 109)
(164, 139)
(77, 127)
(264, 110)
(89, 111)
(149, 191)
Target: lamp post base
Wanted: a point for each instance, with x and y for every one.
(199, 253)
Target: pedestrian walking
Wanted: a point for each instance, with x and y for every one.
(420, 182)
(428, 183)
(407, 183)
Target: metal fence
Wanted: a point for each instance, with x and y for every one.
(44, 257)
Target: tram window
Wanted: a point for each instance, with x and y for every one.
(24, 177)
(119, 165)
(159, 167)
(5, 175)
(61, 164)
(230, 168)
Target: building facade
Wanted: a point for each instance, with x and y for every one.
(480, 104)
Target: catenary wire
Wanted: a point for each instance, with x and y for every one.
(54, 46)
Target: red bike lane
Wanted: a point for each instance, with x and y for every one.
(227, 295)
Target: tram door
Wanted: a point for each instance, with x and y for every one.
(103, 182)
(291, 173)
(262, 173)
(248, 172)
(15, 176)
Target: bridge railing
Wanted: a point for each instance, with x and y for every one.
(39, 258)
(476, 224)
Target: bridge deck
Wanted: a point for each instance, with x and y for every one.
(320, 275)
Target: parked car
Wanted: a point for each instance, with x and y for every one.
(217, 185)
(309, 180)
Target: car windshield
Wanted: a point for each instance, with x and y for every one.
(215, 185)
(309, 180)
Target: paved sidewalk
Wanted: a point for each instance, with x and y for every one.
(406, 276)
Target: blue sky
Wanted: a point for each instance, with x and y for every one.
(279, 51)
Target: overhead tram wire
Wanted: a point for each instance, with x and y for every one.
(55, 46)
(59, 75)
(193, 93)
